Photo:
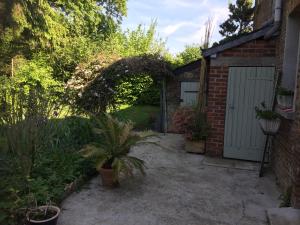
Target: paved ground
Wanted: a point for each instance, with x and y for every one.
(179, 189)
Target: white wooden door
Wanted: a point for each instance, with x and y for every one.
(247, 88)
(189, 93)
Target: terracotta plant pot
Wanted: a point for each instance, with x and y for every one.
(50, 221)
(285, 101)
(107, 176)
(270, 126)
(195, 146)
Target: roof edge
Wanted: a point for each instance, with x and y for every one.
(236, 42)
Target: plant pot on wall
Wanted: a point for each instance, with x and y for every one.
(270, 126)
(43, 215)
(268, 119)
(285, 101)
(197, 147)
(285, 98)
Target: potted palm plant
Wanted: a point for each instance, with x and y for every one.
(285, 98)
(110, 153)
(268, 119)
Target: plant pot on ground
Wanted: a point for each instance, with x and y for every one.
(110, 153)
(196, 133)
(268, 119)
(43, 215)
(285, 98)
(197, 147)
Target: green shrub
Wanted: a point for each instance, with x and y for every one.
(285, 92)
(38, 155)
(150, 96)
(265, 113)
(138, 90)
(286, 198)
(69, 133)
(142, 116)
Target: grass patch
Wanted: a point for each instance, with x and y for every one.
(143, 116)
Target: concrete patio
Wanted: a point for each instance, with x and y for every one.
(179, 189)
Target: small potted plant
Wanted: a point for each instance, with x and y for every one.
(196, 133)
(268, 119)
(193, 125)
(110, 153)
(285, 98)
(43, 215)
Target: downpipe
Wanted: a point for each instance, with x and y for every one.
(277, 20)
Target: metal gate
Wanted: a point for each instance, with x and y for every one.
(189, 93)
(247, 87)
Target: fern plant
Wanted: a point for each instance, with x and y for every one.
(111, 151)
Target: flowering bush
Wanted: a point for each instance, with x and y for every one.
(100, 85)
(190, 122)
(181, 119)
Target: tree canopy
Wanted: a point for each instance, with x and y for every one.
(66, 30)
(189, 54)
(240, 19)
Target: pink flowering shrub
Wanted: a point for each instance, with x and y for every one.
(181, 119)
(190, 122)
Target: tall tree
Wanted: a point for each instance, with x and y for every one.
(65, 30)
(240, 19)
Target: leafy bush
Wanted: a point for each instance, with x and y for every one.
(265, 113)
(284, 91)
(181, 119)
(198, 128)
(139, 90)
(38, 157)
(36, 72)
(142, 116)
(70, 132)
(149, 96)
(190, 122)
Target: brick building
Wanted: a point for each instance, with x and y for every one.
(244, 72)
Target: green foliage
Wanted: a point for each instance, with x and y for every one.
(149, 96)
(37, 156)
(36, 72)
(138, 90)
(265, 113)
(190, 54)
(240, 19)
(286, 198)
(96, 89)
(198, 127)
(190, 122)
(111, 152)
(67, 31)
(285, 92)
(142, 116)
(139, 41)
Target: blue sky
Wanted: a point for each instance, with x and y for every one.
(180, 22)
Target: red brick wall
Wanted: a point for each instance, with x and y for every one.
(263, 12)
(216, 102)
(286, 151)
(217, 90)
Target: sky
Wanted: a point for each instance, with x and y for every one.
(179, 22)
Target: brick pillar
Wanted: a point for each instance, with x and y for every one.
(216, 107)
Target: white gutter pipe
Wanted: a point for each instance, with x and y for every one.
(277, 19)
